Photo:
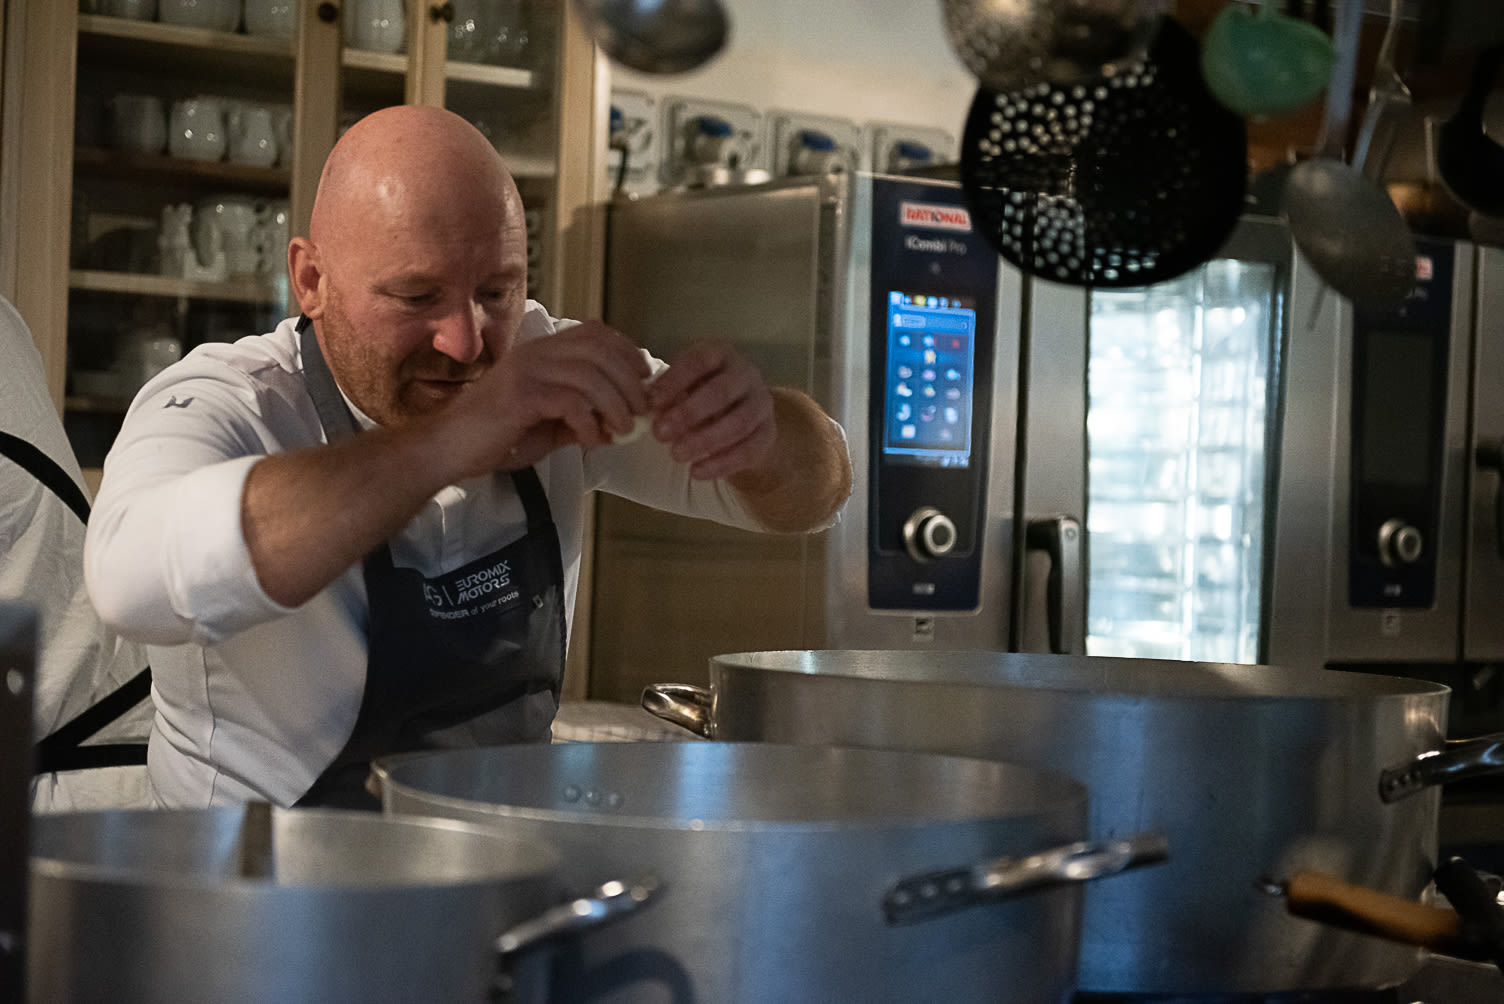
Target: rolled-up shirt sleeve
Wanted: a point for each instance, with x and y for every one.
(165, 559)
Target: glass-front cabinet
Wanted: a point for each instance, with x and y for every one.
(169, 148)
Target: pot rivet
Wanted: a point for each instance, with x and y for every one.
(592, 798)
(614, 800)
(571, 793)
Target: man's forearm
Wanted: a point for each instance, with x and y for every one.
(308, 516)
(808, 475)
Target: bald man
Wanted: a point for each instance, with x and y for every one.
(360, 533)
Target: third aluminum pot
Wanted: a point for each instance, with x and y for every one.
(794, 872)
(1250, 771)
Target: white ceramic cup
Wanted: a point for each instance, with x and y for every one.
(376, 25)
(252, 134)
(275, 18)
(196, 129)
(138, 122)
(219, 15)
(234, 218)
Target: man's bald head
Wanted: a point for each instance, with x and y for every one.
(407, 163)
(414, 270)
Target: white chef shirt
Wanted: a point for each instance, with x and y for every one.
(41, 566)
(253, 699)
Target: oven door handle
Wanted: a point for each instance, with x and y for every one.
(1489, 456)
(1061, 538)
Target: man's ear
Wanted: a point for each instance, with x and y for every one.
(306, 275)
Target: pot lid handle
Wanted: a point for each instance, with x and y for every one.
(920, 897)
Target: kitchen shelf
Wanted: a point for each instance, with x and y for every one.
(490, 76)
(196, 52)
(137, 284)
(155, 32)
(395, 65)
(133, 165)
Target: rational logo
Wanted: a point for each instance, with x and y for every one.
(936, 217)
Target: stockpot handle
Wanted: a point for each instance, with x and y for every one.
(610, 902)
(1457, 760)
(934, 894)
(681, 704)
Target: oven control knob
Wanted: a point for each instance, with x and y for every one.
(1400, 543)
(929, 533)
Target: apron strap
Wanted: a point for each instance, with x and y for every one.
(64, 749)
(333, 413)
(46, 470)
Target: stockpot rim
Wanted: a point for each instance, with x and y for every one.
(543, 861)
(1062, 794)
(964, 668)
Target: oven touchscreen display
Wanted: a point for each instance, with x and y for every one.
(929, 388)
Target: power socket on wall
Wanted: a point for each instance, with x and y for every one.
(802, 143)
(700, 133)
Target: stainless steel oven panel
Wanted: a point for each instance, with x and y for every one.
(1309, 490)
(1053, 430)
(1482, 625)
(850, 620)
(1427, 634)
(1052, 434)
(783, 269)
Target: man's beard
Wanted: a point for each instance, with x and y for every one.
(378, 384)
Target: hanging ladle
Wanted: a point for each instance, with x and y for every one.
(1346, 226)
(1264, 64)
(1472, 164)
(657, 36)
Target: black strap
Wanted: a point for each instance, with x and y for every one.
(64, 749)
(46, 470)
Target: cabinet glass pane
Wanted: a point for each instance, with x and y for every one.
(180, 212)
(1178, 390)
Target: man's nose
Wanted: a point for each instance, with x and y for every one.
(459, 334)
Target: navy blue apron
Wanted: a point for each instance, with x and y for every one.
(473, 657)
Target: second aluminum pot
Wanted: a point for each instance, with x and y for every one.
(252, 904)
(795, 872)
(1253, 772)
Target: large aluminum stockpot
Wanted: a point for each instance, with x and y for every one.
(258, 904)
(793, 873)
(1253, 773)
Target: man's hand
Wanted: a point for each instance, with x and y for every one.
(578, 386)
(713, 411)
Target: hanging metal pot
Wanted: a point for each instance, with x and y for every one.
(1250, 771)
(317, 905)
(797, 872)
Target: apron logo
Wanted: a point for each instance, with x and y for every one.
(173, 402)
(471, 593)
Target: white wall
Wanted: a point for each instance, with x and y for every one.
(885, 61)
(860, 59)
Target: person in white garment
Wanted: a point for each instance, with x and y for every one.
(360, 533)
(80, 660)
